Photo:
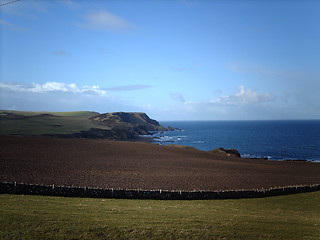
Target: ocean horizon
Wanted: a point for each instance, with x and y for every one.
(271, 139)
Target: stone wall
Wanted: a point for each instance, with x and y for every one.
(52, 190)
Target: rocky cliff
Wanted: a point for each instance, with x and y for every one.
(138, 121)
(124, 125)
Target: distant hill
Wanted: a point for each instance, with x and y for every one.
(84, 124)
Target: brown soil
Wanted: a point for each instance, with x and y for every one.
(137, 165)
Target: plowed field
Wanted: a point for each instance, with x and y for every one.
(138, 165)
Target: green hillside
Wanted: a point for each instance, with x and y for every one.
(39, 123)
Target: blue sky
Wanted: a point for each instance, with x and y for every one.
(174, 60)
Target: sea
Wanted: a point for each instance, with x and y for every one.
(274, 140)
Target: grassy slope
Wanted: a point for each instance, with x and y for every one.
(59, 123)
(37, 217)
(64, 114)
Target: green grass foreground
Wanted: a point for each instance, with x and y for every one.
(39, 217)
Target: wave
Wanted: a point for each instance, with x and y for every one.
(164, 139)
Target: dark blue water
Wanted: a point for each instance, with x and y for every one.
(275, 140)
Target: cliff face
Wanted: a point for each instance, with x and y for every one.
(126, 126)
(125, 117)
(139, 122)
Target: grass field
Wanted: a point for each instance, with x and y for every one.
(39, 217)
(38, 123)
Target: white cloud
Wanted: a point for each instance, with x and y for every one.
(104, 20)
(57, 96)
(243, 104)
(244, 96)
(53, 87)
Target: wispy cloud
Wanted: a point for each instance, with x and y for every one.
(52, 87)
(129, 87)
(11, 26)
(28, 9)
(104, 20)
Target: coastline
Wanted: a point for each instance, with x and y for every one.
(274, 139)
(155, 140)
